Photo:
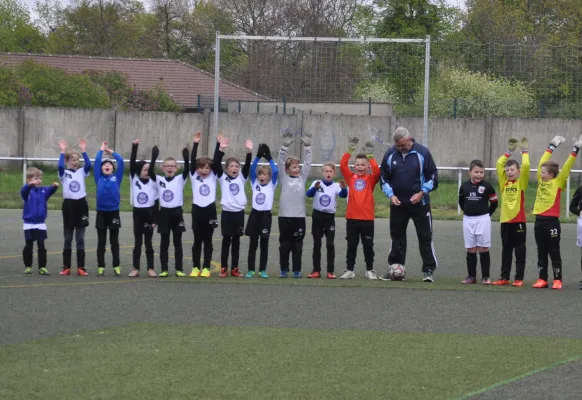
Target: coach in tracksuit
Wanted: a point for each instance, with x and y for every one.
(409, 174)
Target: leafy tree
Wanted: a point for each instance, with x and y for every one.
(17, 34)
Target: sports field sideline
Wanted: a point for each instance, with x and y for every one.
(121, 338)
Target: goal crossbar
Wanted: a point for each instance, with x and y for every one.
(426, 41)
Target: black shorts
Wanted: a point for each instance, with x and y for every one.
(232, 223)
(143, 219)
(291, 228)
(108, 220)
(322, 222)
(75, 213)
(259, 224)
(35, 234)
(171, 220)
(204, 219)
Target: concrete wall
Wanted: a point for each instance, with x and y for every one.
(35, 132)
(377, 110)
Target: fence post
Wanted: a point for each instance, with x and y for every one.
(459, 183)
(258, 107)
(24, 168)
(455, 108)
(284, 104)
(239, 106)
(198, 104)
(369, 106)
(542, 108)
(276, 108)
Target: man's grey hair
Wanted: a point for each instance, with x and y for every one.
(400, 133)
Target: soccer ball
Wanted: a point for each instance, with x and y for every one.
(397, 272)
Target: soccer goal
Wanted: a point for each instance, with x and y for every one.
(253, 73)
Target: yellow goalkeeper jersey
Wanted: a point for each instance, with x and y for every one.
(549, 193)
(513, 191)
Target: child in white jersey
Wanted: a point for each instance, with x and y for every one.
(75, 208)
(204, 217)
(292, 203)
(171, 197)
(233, 202)
(144, 192)
(263, 183)
(324, 193)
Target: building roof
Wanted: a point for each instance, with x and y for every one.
(181, 80)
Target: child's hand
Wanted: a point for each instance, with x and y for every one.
(63, 145)
(511, 144)
(577, 143)
(369, 149)
(83, 145)
(317, 185)
(557, 140)
(249, 145)
(352, 144)
(136, 141)
(343, 184)
(224, 142)
(197, 137)
(306, 139)
(34, 182)
(103, 146)
(523, 144)
(155, 152)
(108, 151)
(56, 184)
(288, 138)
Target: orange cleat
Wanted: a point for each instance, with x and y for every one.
(330, 276)
(65, 271)
(235, 272)
(82, 272)
(314, 275)
(500, 282)
(223, 272)
(540, 284)
(557, 284)
(517, 283)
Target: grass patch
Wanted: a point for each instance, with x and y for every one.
(443, 200)
(149, 361)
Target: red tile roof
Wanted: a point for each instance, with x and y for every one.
(183, 81)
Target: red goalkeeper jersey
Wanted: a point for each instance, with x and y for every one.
(360, 190)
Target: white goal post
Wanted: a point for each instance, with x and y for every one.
(363, 40)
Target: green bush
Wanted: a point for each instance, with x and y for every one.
(479, 95)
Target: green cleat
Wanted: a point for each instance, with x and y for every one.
(263, 274)
(250, 274)
(28, 271)
(164, 274)
(117, 271)
(43, 271)
(101, 272)
(180, 274)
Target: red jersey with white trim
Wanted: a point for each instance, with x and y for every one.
(360, 190)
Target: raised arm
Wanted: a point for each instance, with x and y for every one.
(307, 154)
(246, 168)
(253, 171)
(563, 176)
(274, 172)
(120, 167)
(288, 138)
(152, 168)
(221, 144)
(186, 156)
(97, 172)
(61, 165)
(86, 159)
(195, 141)
(132, 159)
(525, 167)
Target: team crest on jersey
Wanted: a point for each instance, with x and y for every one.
(359, 185)
(234, 188)
(142, 197)
(325, 200)
(113, 179)
(260, 199)
(481, 189)
(74, 186)
(168, 196)
(204, 190)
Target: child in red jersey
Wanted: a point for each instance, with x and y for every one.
(360, 210)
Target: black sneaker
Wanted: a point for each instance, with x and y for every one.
(428, 277)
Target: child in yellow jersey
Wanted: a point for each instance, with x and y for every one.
(551, 183)
(513, 183)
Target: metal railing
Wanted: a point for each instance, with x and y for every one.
(460, 171)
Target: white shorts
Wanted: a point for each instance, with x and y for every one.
(477, 231)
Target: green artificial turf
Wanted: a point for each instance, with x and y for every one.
(148, 361)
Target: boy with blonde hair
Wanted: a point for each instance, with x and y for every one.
(325, 192)
(513, 183)
(547, 229)
(34, 214)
